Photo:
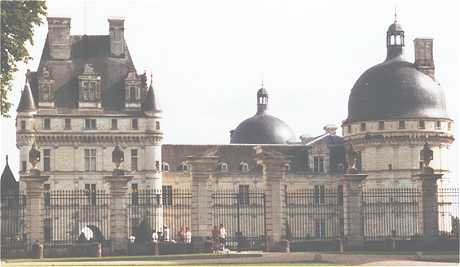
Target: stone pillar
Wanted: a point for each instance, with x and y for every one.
(273, 169)
(34, 207)
(202, 167)
(428, 180)
(352, 215)
(118, 211)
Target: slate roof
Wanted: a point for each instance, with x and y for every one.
(86, 49)
(27, 101)
(8, 184)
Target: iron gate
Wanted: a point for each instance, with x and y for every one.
(242, 213)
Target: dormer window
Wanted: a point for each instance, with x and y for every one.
(89, 88)
(183, 167)
(438, 125)
(363, 126)
(421, 124)
(287, 167)
(133, 91)
(165, 167)
(244, 167)
(222, 167)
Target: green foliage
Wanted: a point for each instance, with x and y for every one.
(18, 19)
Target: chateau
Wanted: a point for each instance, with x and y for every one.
(86, 98)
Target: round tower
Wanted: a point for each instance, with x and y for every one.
(394, 109)
(152, 151)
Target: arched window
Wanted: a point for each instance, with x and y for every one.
(287, 167)
(222, 167)
(165, 167)
(244, 167)
(183, 166)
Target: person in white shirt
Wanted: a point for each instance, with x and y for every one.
(132, 238)
(155, 236)
(222, 235)
(166, 236)
(188, 236)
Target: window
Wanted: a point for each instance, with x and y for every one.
(420, 164)
(90, 159)
(132, 94)
(167, 195)
(90, 190)
(449, 126)
(363, 127)
(381, 125)
(243, 195)
(340, 195)
(244, 167)
(157, 125)
(46, 159)
(114, 124)
(402, 124)
(318, 194)
(134, 194)
(134, 159)
(134, 124)
(23, 125)
(307, 164)
(222, 167)
(359, 161)
(23, 165)
(421, 124)
(287, 167)
(165, 167)
(438, 125)
(47, 195)
(390, 167)
(89, 91)
(318, 164)
(47, 124)
(182, 167)
(90, 123)
(67, 124)
(349, 129)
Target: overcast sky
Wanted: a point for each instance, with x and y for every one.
(209, 57)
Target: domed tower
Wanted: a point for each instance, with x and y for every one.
(262, 128)
(152, 153)
(395, 108)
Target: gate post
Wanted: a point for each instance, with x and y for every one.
(273, 170)
(34, 201)
(202, 167)
(118, 186)
(352, 214)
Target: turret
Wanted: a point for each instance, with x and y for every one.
(395, 40)
(262, 100)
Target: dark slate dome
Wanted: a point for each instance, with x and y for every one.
(262, 128)
(395, 89)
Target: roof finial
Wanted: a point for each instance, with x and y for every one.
(396, 13)
(6, 158)
(262, 84)
(151, 79)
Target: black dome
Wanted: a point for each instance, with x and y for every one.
(262, 129)
(395, 89)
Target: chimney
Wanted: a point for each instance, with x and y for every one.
(59, 43)
(423, 48)
(117, 38)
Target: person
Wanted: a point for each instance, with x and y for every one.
(182, 234)
(154, 236)
(188, 236)
(132, 238)
(222, 236)
(166, 237)
(215, 239)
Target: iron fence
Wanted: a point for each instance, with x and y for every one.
(242, 213)
(314, 213)
(154, 209)
(448, 210)
(12, 222)
(392, 213)
(73, 216)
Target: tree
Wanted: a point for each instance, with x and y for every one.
(18, 19)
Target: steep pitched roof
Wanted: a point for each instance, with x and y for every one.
(94, 50)
(151, 103)
(27, 102)
(8, 184)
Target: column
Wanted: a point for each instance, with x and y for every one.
(352, 216)
(273, 170)
(118, 211)
(34, 207)
(428, 180)
(202, 167)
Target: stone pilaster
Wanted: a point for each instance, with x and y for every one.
(273, 169)
(118, 211)
(34, 207)
(428, 180)
(202, 167)
(352, 216)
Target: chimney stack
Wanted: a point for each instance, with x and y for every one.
(117, 38)
(423, 48)
(59, 42)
